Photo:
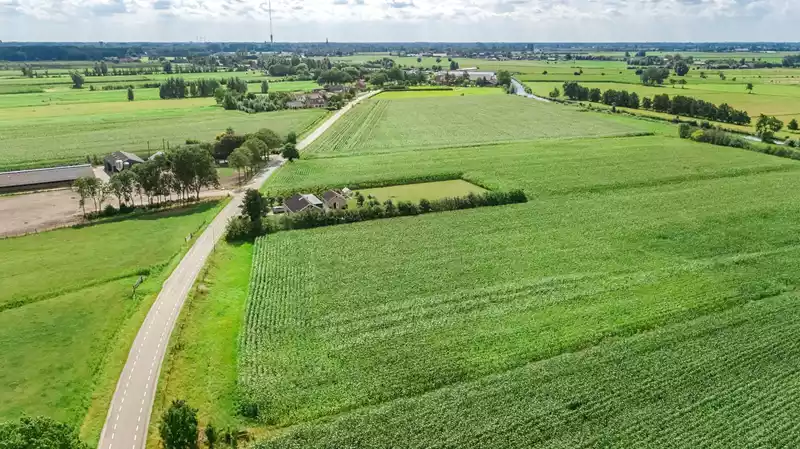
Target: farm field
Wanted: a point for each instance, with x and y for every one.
(65, 95)
(392, 125)
(66, 312)
(52, 135)
(543, 168)
(432, 301)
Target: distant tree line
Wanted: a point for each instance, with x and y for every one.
(254, 222)
(678, 104)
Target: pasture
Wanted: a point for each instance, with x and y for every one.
(67, 133)
(403, 124)
(66, 312)
(423, 190)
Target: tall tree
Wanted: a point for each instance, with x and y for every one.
(749, 88)
(504, 78)
(130, 93)
(257, 151)
(290, 152)
(264, 87)
(194, 167)
(178, 427)
(270, 138)
(77, 80)
(85, 187)
(239, 160)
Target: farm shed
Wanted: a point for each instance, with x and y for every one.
(300, 202)
(334, 200)
(121, 160)
(43, 178)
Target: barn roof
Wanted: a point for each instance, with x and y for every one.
(123, 156)
(44, 175)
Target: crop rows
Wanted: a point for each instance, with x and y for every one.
(724, 381)
(541, 168)
(408, 306)
(385, 125)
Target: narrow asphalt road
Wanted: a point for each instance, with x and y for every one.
(129, 413)
(519, 89)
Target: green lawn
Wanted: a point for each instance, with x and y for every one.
(391, 125)
(59, 134)
(423, 190)
(67, 317)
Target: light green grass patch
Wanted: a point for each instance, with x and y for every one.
(423, 190)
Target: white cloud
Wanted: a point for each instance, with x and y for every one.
(399, 20)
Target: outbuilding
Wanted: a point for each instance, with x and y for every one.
(334, 200)
(121, 160)
(43, 178)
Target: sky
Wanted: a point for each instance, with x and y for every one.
(400, 20)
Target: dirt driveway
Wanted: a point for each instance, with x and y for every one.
(40, 211)
(34, 212)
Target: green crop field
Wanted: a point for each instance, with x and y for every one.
(402, 124)
(543, 168)
(66, 313)
(422, 303)
(35, 136)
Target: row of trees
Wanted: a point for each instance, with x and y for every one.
(255, 207)
(181, 172)
(678, 105)
(176, 87)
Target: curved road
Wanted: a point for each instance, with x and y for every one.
(129, 413)
(519, 89)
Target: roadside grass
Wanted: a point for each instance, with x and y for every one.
(69, 133)
(418, 191)
(541, 168)
(381, 125)
(66, 350)
(39, 266)
(200, 365)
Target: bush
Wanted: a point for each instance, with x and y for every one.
(238, 229)
(685, 130)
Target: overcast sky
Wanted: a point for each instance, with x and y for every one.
(400, 20)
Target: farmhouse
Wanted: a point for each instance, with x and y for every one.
(121, 160)
(334, 200)
(43, 178)
(302, 202)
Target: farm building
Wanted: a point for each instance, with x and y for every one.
(334, 200)
(43, 178)
(302, 202)
(121, 160)
(474, 76)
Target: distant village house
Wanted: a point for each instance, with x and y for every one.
(121, 160)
